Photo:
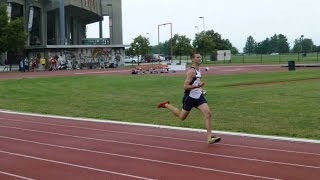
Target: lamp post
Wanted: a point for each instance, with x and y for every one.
(203, 24)
(148, 36)
(301, 46)
(170, 39)
(110, 13)
(301, 41)
(197, 27)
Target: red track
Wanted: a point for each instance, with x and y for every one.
(50, 148)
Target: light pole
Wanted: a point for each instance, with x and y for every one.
(203, 24)
(301, 48)
(197, 27)
(170, 40)
(148, 36)
(110, 13)
(301, 41)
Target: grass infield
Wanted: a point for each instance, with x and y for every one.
(280, 103)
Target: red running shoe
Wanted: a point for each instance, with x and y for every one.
(162, 105)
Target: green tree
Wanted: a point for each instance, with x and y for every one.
(129, 52)
(181, 45)
(16, 37)
(249, 48)
(316, 48)
(205, 42)
(273, 44)
(283, 45)
(297, 48)
(305, 45)
(3, 24)
(263, 47)
(234, 50)
(140, 47)
(208, 42)
(12, 35)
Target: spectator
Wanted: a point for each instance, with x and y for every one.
(26, 64)
(43, 63)
(6, 65)
(34, 64)
(21, 66)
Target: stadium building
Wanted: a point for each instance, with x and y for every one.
(58, 28)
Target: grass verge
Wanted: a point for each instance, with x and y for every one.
(281, 103)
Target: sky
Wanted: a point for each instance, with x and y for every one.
(232, 19)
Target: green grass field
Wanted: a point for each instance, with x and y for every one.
(281, 103)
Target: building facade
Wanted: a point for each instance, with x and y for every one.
(58, 27)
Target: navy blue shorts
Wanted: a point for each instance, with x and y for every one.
(189, 102)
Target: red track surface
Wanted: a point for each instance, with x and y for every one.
(50, 148)
(214, 70)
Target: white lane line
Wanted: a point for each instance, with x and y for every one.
(100, 72)
(231, 70)
(14, 175)
(165, 148)
(164, 127)
(163, 137)
(73, 165)
(138, 158)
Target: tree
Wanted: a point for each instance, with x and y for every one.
(273, 44)
(3, 24)
(234, 50)
(307, 45)
(283, 45)
(297, 48)
(208, 42)
(250, 46)
(316, 48)
(12, 35)
(16, 37)
(181, 45)
(140, 47)
(303, 45)
(264, 47)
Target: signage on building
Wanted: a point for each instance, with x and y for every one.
(30, 19)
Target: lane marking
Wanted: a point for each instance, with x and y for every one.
(14, 175)
(165, 148)
(164, 127)
(100, 72)
(73, 165)
(163, 137)
(138, 158)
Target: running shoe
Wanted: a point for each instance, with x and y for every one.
(213, 139)
(162, 105)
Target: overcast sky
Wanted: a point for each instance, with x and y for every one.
(233, 19)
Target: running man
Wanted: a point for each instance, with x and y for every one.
(194, 97)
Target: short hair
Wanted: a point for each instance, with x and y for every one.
(192, 55)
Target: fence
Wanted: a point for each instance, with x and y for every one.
(259, 58)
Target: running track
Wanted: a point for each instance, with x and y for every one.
(38, 147)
